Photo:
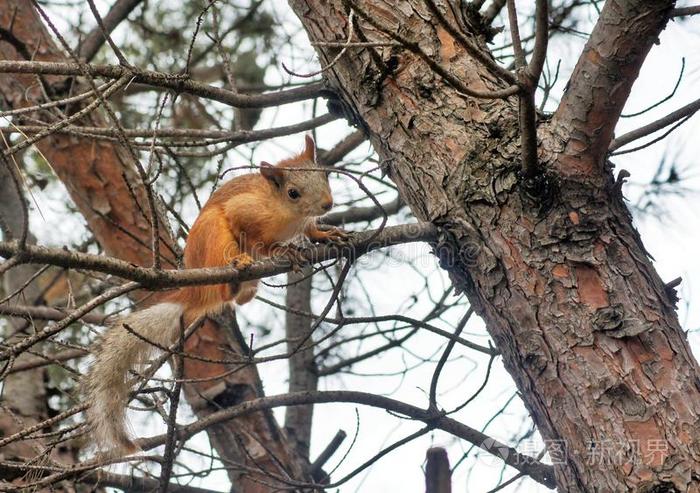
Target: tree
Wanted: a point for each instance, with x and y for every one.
(520, 207)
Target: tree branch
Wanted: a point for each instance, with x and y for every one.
(602, 80)
(230, 137)
(359, 244)
(95, 38)
(10, 470)
(542, 473)
(673, 117)
(175, 82)
(685, 11)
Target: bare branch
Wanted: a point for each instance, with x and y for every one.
(342, 148)
(539, 52)
(437, 471)
(684, 112)
(515, 35)
(96, 38)
(541, 473)
(100, 478)
(359, 244)
(303, 374)
(316, 466)
(230, 137)
(45, 313)
(105, 31)
(685, 11)
(602, 80)
(175, 82)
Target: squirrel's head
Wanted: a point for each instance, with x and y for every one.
(303, 188)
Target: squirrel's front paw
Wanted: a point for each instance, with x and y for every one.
(338, 235)
(242, 261)
(332, 234)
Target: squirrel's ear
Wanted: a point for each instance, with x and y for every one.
(310, 149)
(272, 173)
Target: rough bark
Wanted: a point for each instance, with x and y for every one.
(559, 274)
(96, 175)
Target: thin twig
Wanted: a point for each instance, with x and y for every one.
(432, 399)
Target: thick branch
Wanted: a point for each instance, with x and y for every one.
(303, 374)
(602, 80)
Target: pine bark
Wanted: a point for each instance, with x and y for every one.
(585, 325)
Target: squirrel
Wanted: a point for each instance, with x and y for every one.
(243, 221)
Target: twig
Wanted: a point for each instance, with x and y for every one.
(54, 329)
(653, 141)
(198, 24)
(67, 121)
(432, 399)
(658, 103)
(344, 49)
(239, 137)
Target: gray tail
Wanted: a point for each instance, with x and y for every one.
(107, 384)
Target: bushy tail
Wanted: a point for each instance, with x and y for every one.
(106, 384)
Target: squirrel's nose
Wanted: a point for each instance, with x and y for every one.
(326, 206)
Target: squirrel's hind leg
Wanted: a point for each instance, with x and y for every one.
(246, 292)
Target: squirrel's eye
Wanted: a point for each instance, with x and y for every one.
(293, 193)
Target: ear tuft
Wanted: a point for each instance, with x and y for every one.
(310, 149)
(272, 173)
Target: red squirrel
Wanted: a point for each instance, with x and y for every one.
(243, 221)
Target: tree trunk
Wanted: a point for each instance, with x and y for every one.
(303, 374)
(558, 272)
